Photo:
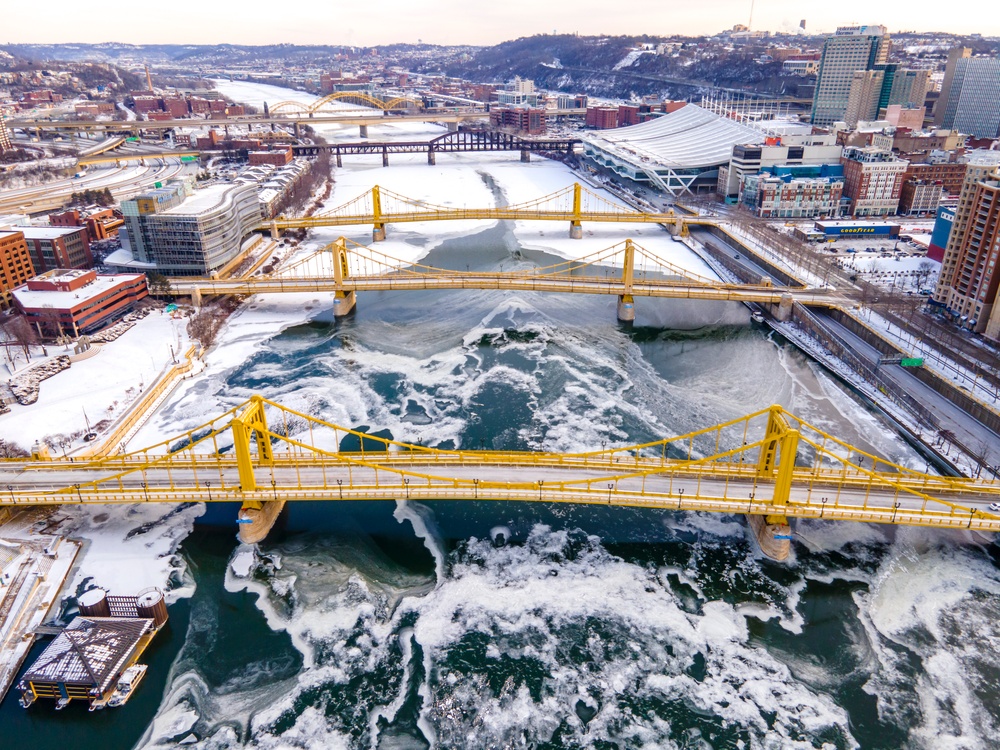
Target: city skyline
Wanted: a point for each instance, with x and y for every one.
(449, 22)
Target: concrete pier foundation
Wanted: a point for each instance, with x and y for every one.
(378, 233)
(385, 157)
(257, 519)
(364, 130)
(525, 155)
(340, 161)
(344, 303)
(783, 310)
(575, 230)
(452, 127)
(196, 298)
(773, 535)
(431, 158)
(626, 308)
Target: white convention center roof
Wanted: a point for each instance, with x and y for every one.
(688, 138)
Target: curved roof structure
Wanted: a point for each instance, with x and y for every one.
(685, 143)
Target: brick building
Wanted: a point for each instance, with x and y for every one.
(790, 197)
(64, 301)
(920, 197)
(15, 265)
(278, 157)
(602, 118)
(949, 174)
(873, 181)
(58, 247)
(101, 223)
(522, 119)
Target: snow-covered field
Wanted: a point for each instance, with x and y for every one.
(99, 388)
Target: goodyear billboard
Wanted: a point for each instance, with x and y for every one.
(848, 229)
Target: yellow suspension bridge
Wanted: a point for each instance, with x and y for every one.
(573, 204)
(625, 270)
(770, 466)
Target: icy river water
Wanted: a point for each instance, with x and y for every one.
(394, 625)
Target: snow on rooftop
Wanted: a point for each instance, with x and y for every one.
(203, 200)
(688, 138)
(46, 233)
(61, 300)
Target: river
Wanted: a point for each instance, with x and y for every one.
(395, 625)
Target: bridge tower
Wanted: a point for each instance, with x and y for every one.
(256, 516)
(776, 462)
(626, 304)
(378, 233)
(575, 227)
(343, 301)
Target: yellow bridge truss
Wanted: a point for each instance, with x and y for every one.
(768, 464)
(574, 203)
(364, 100)
(625, 269)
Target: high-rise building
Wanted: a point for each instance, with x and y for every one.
(851, 49)
(865, 91)
(909, 88)
(974, 279)
(962, 277)
(970, 95)
(874, 91)
(977, 111)
(941, 108)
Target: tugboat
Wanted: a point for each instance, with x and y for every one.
(127, 684)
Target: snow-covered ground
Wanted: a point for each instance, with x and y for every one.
(98, 388)
(911, 272)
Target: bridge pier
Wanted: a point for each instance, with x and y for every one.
(364, 130)
(385, 156)
(525, 155)
(626, 308)
(575, 230)
(344, 303)
(431, 159)
(196, 298)
(340, 162)
(783, 310)
(772, 534)
(297, 131)
(275, 231)
(453, 127)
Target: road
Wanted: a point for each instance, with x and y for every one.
(626, 481)
(123, 182)
(967, 430)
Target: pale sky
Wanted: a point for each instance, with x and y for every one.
(375, 22)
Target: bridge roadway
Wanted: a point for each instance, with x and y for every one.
(133, 126)
(512, 213)
(663, 288)
(525, 477)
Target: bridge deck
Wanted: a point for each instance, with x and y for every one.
(666, 484)
(508, 282)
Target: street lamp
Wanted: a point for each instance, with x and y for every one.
(208, 486)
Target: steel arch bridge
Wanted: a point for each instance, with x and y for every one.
(769, 465)
(360, 98)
